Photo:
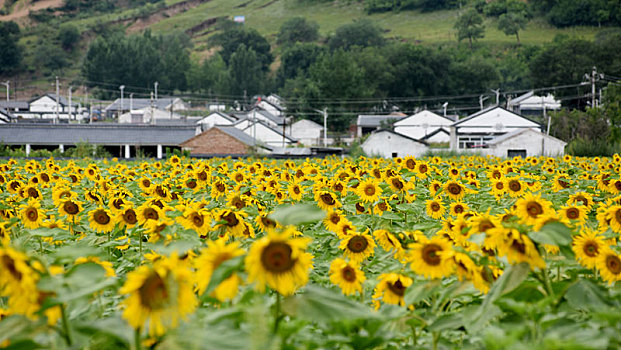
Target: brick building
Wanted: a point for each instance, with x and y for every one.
(223, 141)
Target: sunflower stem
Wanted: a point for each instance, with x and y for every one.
(137, 339)
(546, 282)
(277, 313)
(436, 339)
(140, 246)
(66, 330)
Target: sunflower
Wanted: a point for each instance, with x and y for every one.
(5, 234)
(31, 192)
(279, 261)
(296, 191)
(149, 214)
(61, 193)
(106, 265)
(145, 184)
(435, 208)
(498, 187)
(159, 295)
(18, 281)
(434, 187)
(561, 182)
(519, 248)
(333, 219)
(465, 268)
(101, 220)
(581, 198)
(218, 189)
(458, 208)
(237, 201)
(198, 220)
(391, 289)
(232, 221)
(530, 207)
(388, 241)
(454, 190)
(409, 163)
(422, 170)
(326, 200)
(609, 266)
(381, 207)
(613, 214)
(514, 186)
(208, 261)
(127, 217)
(347, 276)
(358, 246)
(32, 216)
(397, 184)
(588, 246)
(431, 258)
(573, 213)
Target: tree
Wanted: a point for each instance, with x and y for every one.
(362, 33)
(296, 59)
(298, 29)
(470, 26)
(245, 72)
(511, 23)
(234, 36)
(11, 56)
(68, 35)
(210, 76)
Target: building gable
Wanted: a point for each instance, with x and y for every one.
(494, 120)
(214, 142)
(424, 118)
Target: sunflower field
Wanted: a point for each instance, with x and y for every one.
(434, 253)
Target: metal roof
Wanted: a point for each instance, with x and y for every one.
(241, 136)
(139, 103)
(61, 100)
(101, 134)
(14, 104)
(376, 120)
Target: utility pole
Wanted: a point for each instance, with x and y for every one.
(57, 100)
(69, 103)
(122, 87)
(156, 84)
(85, 101)
(444, 107)
(7, 84)
(481, 99)
(593, 77)
(324, 112)
(152, 117)
(497, 92)
(131, 102)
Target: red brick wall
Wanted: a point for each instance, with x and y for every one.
(214, 141)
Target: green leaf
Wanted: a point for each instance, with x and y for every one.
(224, 271)
(554, 233)
(12, 326)
(444, 322)
(417, 292)
(46, 232)
(297, 214)
(325, 305)
(113, 326)
(585, 294)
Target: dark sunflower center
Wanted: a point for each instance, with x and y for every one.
(101, 217)
(515, 186)
(563, 183)
(32, 193)
(238, 203)
(239, 178)
(9, 264)
(573, 213)
(582, 200)
(435, 206)
(618, 215)
(349, 274)
(613, 264)
(369, 190)
(71, 208)
(118, 203)
(591, 249)
(220, 187)
(410, 164)
(231, 219)
(296, 190)
(14, 185)
(422, 168)
(359, 207)
(146, 183)
(454, 189)
(397, 288)
(499, 185)
(153, 292)
(397, 184)
(191, 184)
(618, 185)
(496, 174)
(202, 175)
(534, 209)
(32, 214)
(458, 209)
(197, 220)
(518, 246)
(130, 216)
(267, 222)
(151, 214)
(431, 254)
(382, 206)
(357, 244)
(327, 198)
(276, 257)
(335, 218)
(485, 225)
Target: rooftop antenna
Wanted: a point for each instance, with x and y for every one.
(444, 105)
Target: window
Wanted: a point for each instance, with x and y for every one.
(516, 153)
(394, 154)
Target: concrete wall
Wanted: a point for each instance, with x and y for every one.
(535, 144)
(384, 144)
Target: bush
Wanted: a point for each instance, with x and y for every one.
(591, 148)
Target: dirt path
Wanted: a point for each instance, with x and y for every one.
(21, 11)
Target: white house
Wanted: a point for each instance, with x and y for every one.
(389, 144)
(261, 115)
(531, 104)
(265, 133)
(128, 103)
(526, 143)
(479, 129)
(5, 116)
(147, 115)
(423, 124)
(44, 107)
(441, 135)
(366, 124)
(307, 132)
(216, 118)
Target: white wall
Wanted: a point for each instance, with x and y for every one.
(214, 119)
(267, 135)
(535, 144)
(384, 144)
(307, 132)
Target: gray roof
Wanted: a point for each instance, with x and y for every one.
(99, 133)
(490, 108)
(435, 132)
(178, 121)
(14, 104)
(241, 136)
(376, 120)
(139, 103)
(61, 100)
(5, 116)
(399, 134)
(277, 131)
(248, 115)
